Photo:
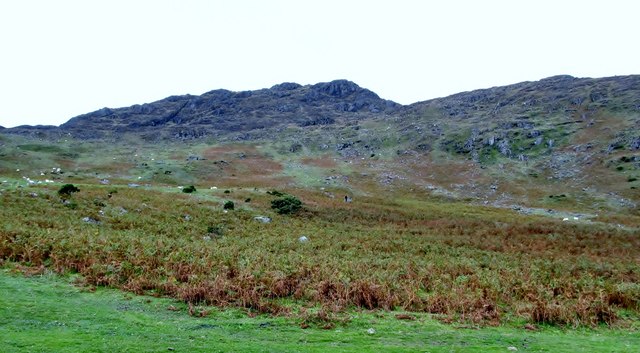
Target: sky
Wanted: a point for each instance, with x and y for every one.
(60, 59)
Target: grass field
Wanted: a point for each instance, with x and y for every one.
(47, 314)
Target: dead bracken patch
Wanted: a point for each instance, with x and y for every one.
(458, 262)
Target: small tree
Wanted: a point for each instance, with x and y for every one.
(189, 189)
(229, 205)
(286, 205)
(67, 190)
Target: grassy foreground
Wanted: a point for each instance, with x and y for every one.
(47, 314)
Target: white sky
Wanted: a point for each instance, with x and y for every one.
(59, 59)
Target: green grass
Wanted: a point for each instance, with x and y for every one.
(47, 314)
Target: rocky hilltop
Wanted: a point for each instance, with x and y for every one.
(220, 112)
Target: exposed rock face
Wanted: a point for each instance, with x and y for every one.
(221, 111)
(529, 119)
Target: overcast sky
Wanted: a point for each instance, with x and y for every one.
(59, 59)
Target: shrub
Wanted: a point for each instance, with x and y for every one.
(189, 189)
(287, 204)
(229, 205)
(275, 193)
(632, 179)
(67, 189)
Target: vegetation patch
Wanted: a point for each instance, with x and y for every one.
(189, 189)
(460, 263)
(287, 204)
(67, 190)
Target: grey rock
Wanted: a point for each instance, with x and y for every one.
(90, 220)
(538, 140)
(503, 147)
(263, 219)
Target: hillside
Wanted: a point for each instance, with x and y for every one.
(560, 143)
(511, 205)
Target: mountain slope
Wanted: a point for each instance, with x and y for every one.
(559, 143)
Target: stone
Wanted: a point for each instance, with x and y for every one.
(90, 220)
(263, 219)
(303, 239)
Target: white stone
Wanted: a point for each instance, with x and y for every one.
(263, 219)
(303, 239)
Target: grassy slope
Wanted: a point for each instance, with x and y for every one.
(46, 314)
(372, 253)
(513, 256)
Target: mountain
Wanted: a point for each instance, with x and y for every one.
(557, 142)
(220, 112)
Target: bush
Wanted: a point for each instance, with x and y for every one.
(229, 205)
(189, 189)
(287, 204)
(275, 193)
(67, 189)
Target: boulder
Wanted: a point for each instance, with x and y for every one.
(263, 219)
